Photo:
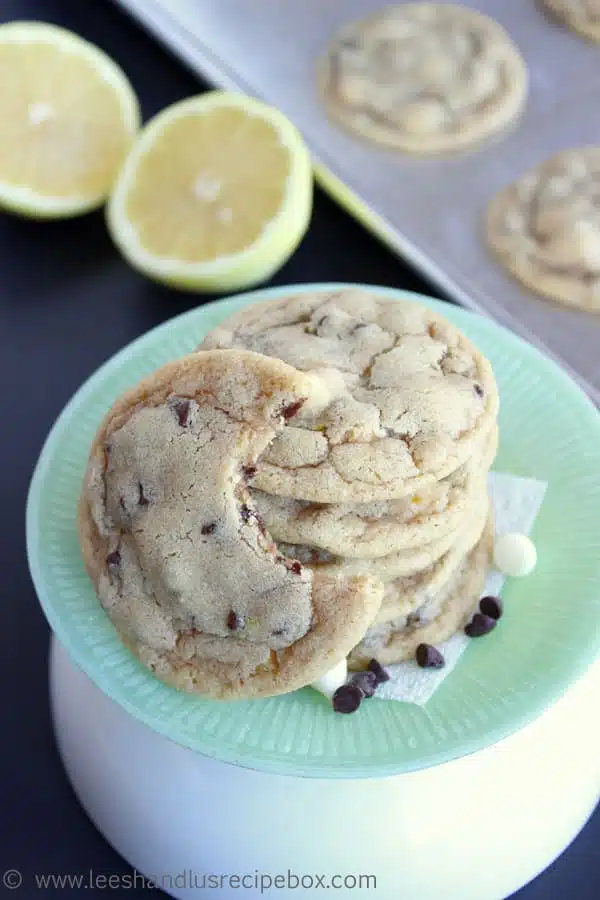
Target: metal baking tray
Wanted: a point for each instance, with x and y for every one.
(428, 211)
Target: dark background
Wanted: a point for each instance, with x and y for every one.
(68, 303)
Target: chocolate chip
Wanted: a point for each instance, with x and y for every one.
(366, 682)
(181, 407)
(292, 409)
(245, 512)
(234, 622)
(347, 698)
(479, 625)
(113, 559)
(429, 657)
(208, 528)
(142, 500)
(249, 471)
(380, 674)
(492, 607)
(296, 568)
(478, 390)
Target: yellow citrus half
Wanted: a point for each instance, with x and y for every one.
(215, 195)
(68, 117)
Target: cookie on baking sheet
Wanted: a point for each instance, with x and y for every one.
(410, 398)
(582, 16)
(545, 228)
(423, 78)
(180, 560)
(437, 620)
(372, 530)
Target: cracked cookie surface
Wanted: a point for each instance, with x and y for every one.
(384, 527)
(423, 78)
(582, 16)
(410, 398)
(180, 560)
(545, 228)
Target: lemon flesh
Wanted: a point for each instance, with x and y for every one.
(216, 194)
(68, 117)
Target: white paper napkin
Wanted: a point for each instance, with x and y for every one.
(517, 502)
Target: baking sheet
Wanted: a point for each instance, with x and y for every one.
(430, 211)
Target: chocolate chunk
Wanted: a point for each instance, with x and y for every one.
(249, 471)
(366, 682)
(479, 625)
(478, 390)
(296, 568)
(181, 408)
(380, 674)
(142, 500)
(347, 698)
(113, 559)
(492, 607)
(292, 409)
(209, 528)
(234, 622)
(429, 657)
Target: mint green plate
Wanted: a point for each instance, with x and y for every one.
(550, 632)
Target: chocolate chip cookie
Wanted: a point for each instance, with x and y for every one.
(582, 16)
(410, 398)
(545, 228)
(179, 557)
(423, 78)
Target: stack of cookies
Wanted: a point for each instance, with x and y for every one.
(386, 475)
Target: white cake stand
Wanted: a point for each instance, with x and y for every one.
(478, 828)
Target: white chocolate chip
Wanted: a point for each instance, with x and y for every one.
(515, 555)
(332, 680)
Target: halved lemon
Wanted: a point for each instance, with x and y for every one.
(215, 195)
(68, 117)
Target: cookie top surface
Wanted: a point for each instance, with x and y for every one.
(581, 15)
(167, 528)
(409, 395)
(545, 228)
(423, 77)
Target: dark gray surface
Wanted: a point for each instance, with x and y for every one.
(68, 303)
